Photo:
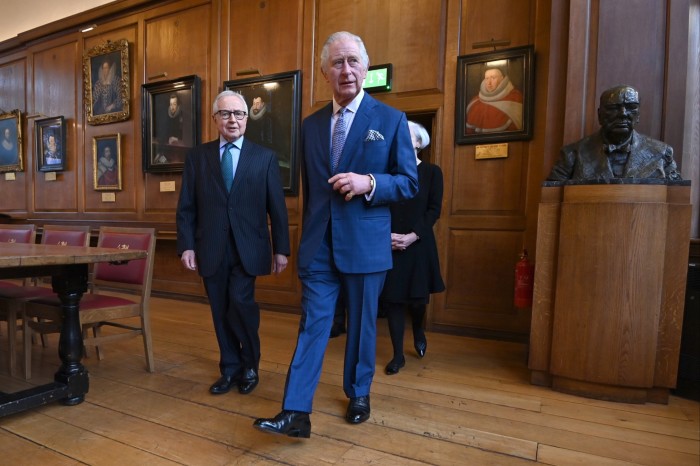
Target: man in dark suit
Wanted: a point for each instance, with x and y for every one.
(229, 188)
(346, 236)
(617, 150)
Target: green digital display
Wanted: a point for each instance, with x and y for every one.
(378, 78)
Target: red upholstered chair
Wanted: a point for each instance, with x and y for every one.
(12, 299)
(11, 233)
(97, 309)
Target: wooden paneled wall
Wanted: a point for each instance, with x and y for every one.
(489, 206)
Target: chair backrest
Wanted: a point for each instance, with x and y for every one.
(66, 235)
(135, 275)
(11, 233)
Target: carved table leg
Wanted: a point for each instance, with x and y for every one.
(70, 288)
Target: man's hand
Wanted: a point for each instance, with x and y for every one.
(351, 184)
(188, 260)
(279, 263)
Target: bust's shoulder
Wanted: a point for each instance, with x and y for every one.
(642, 141)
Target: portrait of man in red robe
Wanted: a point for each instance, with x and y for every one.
(497, 107)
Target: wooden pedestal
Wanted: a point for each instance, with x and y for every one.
(609, 291)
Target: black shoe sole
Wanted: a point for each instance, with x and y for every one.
(295, 432)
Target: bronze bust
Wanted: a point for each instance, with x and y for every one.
(617, 150)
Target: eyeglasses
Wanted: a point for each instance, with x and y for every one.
(226, 114)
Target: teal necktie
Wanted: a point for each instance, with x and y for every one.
(227, 166)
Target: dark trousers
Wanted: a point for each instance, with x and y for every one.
(235, 314)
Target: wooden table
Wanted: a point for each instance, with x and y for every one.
(68, 267)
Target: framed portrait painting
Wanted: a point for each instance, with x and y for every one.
(50, 144)
(107, 162)
(495, 96)
(106, 82)
(11, 142)
(170, 123)
(274, 110)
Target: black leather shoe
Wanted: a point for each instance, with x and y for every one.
(248, 381)
(420, 345)
(337, 330)
(394, 366)
(358, 410)
(223, 385)
(289, 423)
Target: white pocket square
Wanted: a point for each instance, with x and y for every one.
(374, 135)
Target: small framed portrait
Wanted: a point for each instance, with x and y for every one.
(107, 160)
(106, 82)
(495, 96)
(11, 142)
(50, 144)
(170, 123)
(274, 111)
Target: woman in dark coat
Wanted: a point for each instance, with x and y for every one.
(416, 272)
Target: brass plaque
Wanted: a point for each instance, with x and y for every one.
(491, 151)
(109, 197)
(167, 186)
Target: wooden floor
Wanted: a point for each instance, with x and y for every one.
(468, 402)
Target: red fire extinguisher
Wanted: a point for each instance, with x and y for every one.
(524, 281)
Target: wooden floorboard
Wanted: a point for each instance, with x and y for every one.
(467, 402)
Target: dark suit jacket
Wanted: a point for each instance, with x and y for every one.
(206, 213)
(587, 160)
(361, 230)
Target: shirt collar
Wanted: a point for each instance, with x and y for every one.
(238, 143)
(352, 106)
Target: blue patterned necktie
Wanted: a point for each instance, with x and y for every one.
(338, 140)
(227, 166)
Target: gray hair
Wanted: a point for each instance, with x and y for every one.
(336, 36)
(420, 133)
(227, 93)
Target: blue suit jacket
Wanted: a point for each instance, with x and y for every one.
(206, 212)
(361, 229)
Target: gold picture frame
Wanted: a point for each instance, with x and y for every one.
(106, 82)
(11, 142)
(107, 162)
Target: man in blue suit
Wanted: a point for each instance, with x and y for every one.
(346, 230)
(230, 186)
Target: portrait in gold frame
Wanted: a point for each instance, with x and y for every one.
(106, 82)
(107, 162)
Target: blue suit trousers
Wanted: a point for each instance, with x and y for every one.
(321, 284)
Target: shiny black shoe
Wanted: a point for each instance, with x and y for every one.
(358, 410)
(420, 344)
(224, 384)
(289, 423)
(394, 366)
(337, 330)
(248, 381)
